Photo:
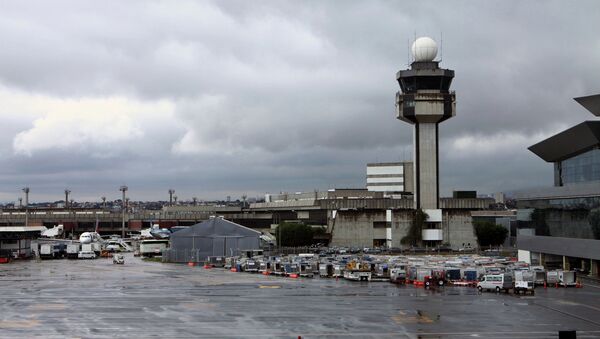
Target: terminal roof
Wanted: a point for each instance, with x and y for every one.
(568, 143)
(591, 103)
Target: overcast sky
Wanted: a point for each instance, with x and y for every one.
(245, 97)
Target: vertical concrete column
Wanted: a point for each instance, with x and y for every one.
(593, 268)
(542, 260)
(566, 265)
(426, 165)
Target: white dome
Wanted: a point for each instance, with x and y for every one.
(424, 49)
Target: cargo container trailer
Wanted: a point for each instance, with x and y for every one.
(567, 278)
(72, 250)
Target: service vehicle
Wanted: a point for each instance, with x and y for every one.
(118, 258)
(150, 248)
(72, 250)
(522, 286)
(86, 255)
(497, 282)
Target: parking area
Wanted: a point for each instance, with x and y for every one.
(78, 298)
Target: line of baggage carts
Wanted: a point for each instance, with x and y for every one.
(427, 271)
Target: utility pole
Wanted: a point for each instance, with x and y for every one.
(124, 190)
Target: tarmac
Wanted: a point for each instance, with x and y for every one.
(95, 298)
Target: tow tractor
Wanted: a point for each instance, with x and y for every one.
(437, 278)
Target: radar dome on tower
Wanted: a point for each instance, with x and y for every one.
(424, 49)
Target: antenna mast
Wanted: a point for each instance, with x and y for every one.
(441, 46)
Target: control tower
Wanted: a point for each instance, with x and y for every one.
(425, 100)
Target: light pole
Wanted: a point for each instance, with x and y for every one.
(124, 190)
(26, 190)
(171, 192)
(103, 202)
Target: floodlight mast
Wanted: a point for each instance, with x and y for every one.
(26, 190)
(123, 189)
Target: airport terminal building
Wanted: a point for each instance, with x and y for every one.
(560, 225)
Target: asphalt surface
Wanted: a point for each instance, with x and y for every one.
(77, 298)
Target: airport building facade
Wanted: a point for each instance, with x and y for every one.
(391, 178)
(559, 226)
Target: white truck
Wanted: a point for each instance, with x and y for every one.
(497, 282)
(522, 286)
(567, 278)
(91, 247)
(150, 248)
(48, 251)
(72, 250)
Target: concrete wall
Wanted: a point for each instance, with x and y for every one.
(355, 228)
(458, 228)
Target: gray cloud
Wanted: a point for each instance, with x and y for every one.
(270, 96)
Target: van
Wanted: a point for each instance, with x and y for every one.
(86, 255)
(496, 282)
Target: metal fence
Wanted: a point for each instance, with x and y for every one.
(287, 251)
(188, 255)
(182, 255)
(194, 255)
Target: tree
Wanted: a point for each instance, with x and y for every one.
(294, 234)
(414, 235)
(594, 220)
(490, 234)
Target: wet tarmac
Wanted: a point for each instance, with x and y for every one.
(76, 298)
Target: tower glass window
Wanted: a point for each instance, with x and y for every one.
(581, 168)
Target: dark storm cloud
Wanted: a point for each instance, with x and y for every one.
(225, 98)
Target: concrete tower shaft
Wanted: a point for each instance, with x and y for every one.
(425, 100)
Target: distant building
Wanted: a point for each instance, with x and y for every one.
(391, 178)
(554, 221)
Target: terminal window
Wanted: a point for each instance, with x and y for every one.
(581, 168)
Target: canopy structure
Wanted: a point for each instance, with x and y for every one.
(569, 143)
(214, 237)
